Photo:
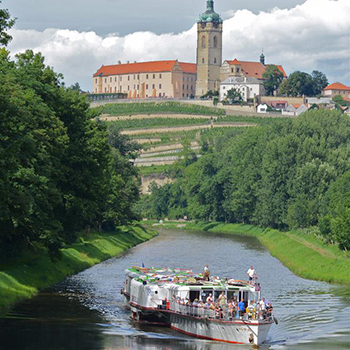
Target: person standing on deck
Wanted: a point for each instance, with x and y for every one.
(251, 273)
(206, 272)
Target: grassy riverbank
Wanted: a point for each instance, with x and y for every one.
(23, 277)
(304, 254)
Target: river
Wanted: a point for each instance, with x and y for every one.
(85, 311)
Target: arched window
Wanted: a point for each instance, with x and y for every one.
(203, 42)
(215, 41)
(203, 60)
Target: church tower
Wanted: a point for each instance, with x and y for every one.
(209, 50)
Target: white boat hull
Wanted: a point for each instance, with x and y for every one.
(238, 332)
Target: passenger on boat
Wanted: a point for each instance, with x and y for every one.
(200, 304)
(241, 307)
(222, 299)
(195, 302)
(207, 305)
(251, 310)
(262, 308)
(269, 309)
(210, 298)
(206, 272)
(251, 273)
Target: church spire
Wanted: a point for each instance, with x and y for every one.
(210, 5)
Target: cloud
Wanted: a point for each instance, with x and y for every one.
(314, 35)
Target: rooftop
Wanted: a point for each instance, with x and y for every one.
(254, 69)
(337, 86)
(145, 67)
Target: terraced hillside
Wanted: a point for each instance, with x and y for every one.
(169, 131)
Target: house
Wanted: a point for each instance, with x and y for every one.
(245, 69)
(262, 108)
(172, 79)
(248, 87)
(295, 110)
(336, 89)
(281, 105)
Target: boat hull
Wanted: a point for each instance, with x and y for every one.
(238, 332)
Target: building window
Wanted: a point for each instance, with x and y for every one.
(160, 76)
(237, 70)
(105, 80)
(146, 76)
(183, 87)
(154, 76)
(96, 80)
(232, 70)
(203, 60)
(128, 77)
(160, 86)
(138, 87)
(215, 41)
(153, 86)
(138, 77)
(115, 79)
(105, 89)
(128, 87)
(115, 89)
(224, 87)
(203, 42)
(215, 60)
(146, 86)
(121, 78)
(134, 76)
(134, 86)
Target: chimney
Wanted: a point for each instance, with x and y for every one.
(135, 61)
(127, 62)
(119, 62)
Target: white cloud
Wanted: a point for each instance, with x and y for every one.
(314, 35)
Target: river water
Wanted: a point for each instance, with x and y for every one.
(86, 311)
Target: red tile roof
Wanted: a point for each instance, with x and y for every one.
(254, 69)
(337, 86)
(144, 67)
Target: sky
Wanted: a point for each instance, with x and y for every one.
(78, 36)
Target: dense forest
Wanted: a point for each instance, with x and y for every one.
(62, 171)
(285, 175)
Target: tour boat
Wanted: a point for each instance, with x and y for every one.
(165, 296)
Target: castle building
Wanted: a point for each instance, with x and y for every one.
(209, 50)
(246, 69)
(166, 79)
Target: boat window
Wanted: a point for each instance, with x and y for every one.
(230, 294)
(205, 294)
(217, 294)
(194, 294)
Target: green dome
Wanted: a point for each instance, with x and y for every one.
(210, 15)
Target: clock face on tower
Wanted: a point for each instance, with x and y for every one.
(209, 50)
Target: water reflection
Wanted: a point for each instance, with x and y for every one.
(86, 311)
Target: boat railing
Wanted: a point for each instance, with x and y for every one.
(223, 314)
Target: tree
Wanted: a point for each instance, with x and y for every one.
(285, 88)
(234, 95)
(300, 84)
(76, 87)
(6, 22)
(338, 99)
(319, 82)
(273, 78)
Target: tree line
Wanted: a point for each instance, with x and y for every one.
(62, 171)
(289, 174)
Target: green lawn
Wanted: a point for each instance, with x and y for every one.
(22, 277)
(132, 108)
